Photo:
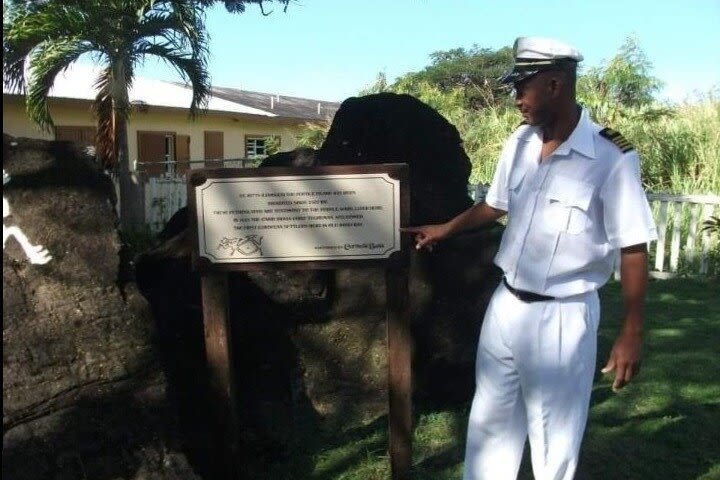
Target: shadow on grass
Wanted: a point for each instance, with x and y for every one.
(322, 453)
(663, 425)
(360, 452)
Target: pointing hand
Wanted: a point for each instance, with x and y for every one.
(427, 236)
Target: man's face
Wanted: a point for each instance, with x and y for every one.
(533, 97)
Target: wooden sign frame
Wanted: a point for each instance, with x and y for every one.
(218, 341)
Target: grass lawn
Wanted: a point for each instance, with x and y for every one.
(665, 425)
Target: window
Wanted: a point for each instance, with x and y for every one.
(169, 153)
(214, 148)
(156, 152)
(84, 136)
(260, 146)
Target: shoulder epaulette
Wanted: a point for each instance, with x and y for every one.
(616, 137)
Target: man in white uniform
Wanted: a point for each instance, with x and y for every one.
(573, 196)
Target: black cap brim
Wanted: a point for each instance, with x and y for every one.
(528, 68)
(514, 76)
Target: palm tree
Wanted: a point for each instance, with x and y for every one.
(42, 39)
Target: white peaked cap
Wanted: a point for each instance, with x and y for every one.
(540, 48)
(535, 54)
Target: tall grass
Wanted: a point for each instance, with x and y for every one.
(681, 151)
(679, 145)
(484, 132)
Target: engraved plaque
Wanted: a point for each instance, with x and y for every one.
(298, 218)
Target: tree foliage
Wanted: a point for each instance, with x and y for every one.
(232, 6)
(474, 71)
(460, 67)
(623, 86)
(313, 134)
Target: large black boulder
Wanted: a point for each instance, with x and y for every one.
(84, 394)
(394, 128)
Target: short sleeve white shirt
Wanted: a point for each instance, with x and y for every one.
(569, 214)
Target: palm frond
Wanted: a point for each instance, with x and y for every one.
(192, 69)
(47, 61)
(172, 30)
(26, 29)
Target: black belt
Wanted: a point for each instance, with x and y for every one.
(526, 296)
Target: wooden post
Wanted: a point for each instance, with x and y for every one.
(218, 350)
(661, 232)
(399, 372)
(208, 194)
(677, 216)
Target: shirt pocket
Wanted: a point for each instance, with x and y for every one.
(567, 205)
(515, 183)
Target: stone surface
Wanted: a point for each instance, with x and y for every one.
(84, 394)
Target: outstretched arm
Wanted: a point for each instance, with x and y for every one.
(428, 235)
(625, 355)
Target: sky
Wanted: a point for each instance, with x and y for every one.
(332, 49)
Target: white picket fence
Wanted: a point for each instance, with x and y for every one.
(682, 245)
(163, 197)
(677, 216)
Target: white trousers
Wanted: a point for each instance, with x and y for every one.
(534, 373)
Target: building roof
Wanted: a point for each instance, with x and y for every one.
(78, 82)
(281, 105)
